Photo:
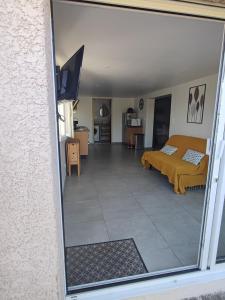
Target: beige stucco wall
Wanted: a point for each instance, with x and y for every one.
(187, 292)
(30, 246)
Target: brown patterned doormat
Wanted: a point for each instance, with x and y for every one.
(103, 261)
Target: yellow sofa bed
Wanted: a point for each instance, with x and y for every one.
(180, 173)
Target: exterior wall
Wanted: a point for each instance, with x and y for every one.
(31, 258)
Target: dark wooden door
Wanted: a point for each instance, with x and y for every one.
(161, 121)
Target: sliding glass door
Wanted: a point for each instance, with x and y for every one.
(164, 223)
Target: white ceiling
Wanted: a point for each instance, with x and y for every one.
(128, 53)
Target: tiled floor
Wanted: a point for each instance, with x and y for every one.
(115, 198)
(221, 246)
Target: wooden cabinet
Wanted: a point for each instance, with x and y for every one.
(128, 133)
(82, 136)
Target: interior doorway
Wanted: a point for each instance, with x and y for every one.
(101, 109)
(161, 121)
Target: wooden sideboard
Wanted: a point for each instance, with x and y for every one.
(128, 133)
(82, 136)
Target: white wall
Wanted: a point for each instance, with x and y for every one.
(84, 115)
(146, 114)
(179, 104)
(119, 106)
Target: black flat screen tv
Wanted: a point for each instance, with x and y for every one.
(70, 77)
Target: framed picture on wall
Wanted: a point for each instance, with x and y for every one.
(196, 102)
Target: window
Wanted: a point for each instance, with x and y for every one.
(61, 123)
(65, 111)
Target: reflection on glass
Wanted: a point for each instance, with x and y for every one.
(103, 111)
(221, 245)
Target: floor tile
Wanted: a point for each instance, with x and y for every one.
(112, 214)
(177, 228)
(118, 201)
(187, 254)
(81, 194)
(164, 259)
(85, 233)
(155, 204)
(135, 227)
(84, 211)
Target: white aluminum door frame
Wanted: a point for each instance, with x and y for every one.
(216, 190)
(218, 215)
(220, 177)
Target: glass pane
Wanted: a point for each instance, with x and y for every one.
(131, 210)
(221, 246)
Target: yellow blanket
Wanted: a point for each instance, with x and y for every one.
(180, 173)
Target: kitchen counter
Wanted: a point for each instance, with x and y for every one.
(81, 128)
(134, 126)
(128, 133)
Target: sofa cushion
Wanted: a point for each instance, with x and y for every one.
(169, 150)
(193, 157)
